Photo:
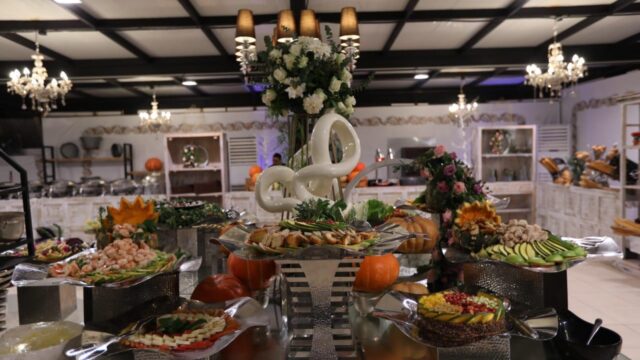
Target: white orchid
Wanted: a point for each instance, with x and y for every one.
(280, 74)
(295, 90)
(289, 60)
(334, 85)
(275, 54)
(268, 96)
(312, 104)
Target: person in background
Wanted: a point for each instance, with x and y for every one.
(276, 160)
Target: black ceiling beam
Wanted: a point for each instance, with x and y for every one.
(598, 55)
(194, 89)
(296, 7)
(103, 85)
(197, 19)
(512, 9)
(420, 83)
(633, 39)
(111, 34)
(480, 79)
(364, 17)
(20, 40)
(128, 87)
(617, 6)
(408, 10)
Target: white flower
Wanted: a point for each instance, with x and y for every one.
(302, 63)
(312, 104)
(304, 41)
(346, 77)
(349, 110)
(295, 49)
(339, 57)
(341, 107)
(279, 74)
(268, 96)
(321, 93)
(289, 81)
(275, 54)
(321, 50)
(295, 91)
(335, 84)
(289, 60)
(350, 101)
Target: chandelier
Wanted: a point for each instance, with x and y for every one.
(154, 119)
(32, 84)
(286, 30)
(559, 73)
(461, 109)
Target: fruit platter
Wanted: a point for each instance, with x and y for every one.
(123, 263)
(480, 235)
(51, 246)
(457, 317)
(193, 331)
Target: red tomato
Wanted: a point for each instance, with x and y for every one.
(219, 288)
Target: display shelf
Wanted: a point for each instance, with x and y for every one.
(196, 194)
(83, 160)
(216, 167)
(629, 119)
(631, 187)
(507, 155)
(49, 162)
(8, 262)
(4, 246)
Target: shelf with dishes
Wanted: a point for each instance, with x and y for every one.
(84, 159)
(508, 155)
(70, 155)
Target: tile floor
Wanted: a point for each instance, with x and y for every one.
(597, 289)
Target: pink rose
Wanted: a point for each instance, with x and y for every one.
(449, 170)
(446, 217)
(439, 151)
(454, 155)
(442, 187)
(459, 187)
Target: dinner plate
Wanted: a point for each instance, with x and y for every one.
(69, 150)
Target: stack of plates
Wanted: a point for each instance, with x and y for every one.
(5, 282)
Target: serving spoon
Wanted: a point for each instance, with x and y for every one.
(596, 326)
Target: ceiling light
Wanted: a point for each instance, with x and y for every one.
(421, 76)
(189, 83)
(68, 1)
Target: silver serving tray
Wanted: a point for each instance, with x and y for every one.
(235, 239)
(402, 310)
(38, 275)
(598, 248)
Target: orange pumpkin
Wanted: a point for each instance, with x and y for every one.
(255, 169)
(219, 288)
(255, 274)
(352, 175)
(153, 164)
(360, 166)
(377, 273)
(420, 226)
(254, 178)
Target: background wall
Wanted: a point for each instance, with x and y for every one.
(424, 121)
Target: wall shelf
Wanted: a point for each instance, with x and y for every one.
(49, 162)
(507, 155)
(83, 160)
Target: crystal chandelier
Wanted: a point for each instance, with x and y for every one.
(154, 119)
(286, 29)
(559, 73)
(32, 84)
(461, 109)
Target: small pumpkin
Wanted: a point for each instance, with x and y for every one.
(377, 272)
(254, 178)
(219, 288)
(352, 175)
(417, 225)
(255, 169)
(255, 274)
(360, 166)
(153, 164)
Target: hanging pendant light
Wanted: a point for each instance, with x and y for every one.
(461, 110)
(154, 119)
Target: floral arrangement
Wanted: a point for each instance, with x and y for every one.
(496, 142)
(306, 76)
(450, 182)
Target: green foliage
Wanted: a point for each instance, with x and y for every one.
(177, 218)
(319, 210)
(378, 212)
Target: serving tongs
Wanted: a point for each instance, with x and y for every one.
(402, 310)
(95, 350)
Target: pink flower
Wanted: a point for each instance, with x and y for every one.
(459, 187)
(454, 155)
(449, 170)
(439, 151)
(425, 173)
(446, 217)
(442, 186)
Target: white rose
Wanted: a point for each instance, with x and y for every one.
(350, 101)
(321, 50)
(341, 107)
(304, 41)
(349, 110)
(289, 60)
(312, 104)
(346, 77)
(319, 92)
(303, 62)
(268, 96)
(295, 49)
(295, 91)
(279, 74)
(275, 54)
(334, 85)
